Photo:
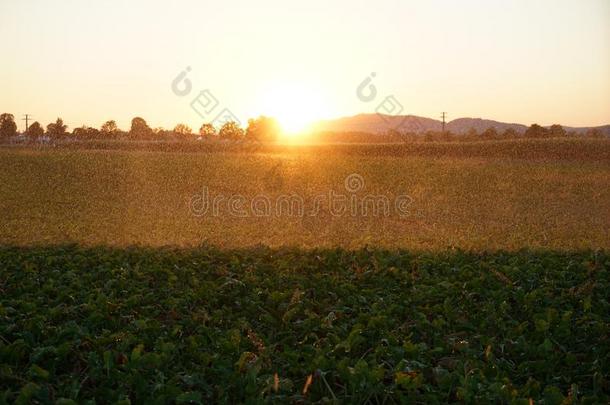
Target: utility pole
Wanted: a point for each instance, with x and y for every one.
(26, 119)
(443, 116)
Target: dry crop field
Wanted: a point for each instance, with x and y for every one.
(481, 196)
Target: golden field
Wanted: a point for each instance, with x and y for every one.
(538, 194)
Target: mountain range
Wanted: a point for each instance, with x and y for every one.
(380, 124)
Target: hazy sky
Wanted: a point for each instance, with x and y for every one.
(545, 61)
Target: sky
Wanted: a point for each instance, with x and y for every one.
(525, 61)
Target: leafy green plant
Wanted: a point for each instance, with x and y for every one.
(195, 326)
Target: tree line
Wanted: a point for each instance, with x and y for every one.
(491, 133)
(261, 129)
(535, 131)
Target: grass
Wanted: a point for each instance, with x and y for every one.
(471, 196)
(205, 325)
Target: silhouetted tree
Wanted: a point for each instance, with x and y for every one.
(556, 131)
(231, 131)
(536, 131)
(510, 133)
(472, 134)
(80, 132)
(262, 129)
(594, 133)
(162, 133)
(183, 131)
(140, 129)
(8, 128)
(85, 132)
(57, 129)
(395, 135)
(93, 133)
(407, 136)
(207, 131)
(109, 129)
(35, 131)
(490, 133)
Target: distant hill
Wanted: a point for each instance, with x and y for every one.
(604, 129)
(463, 125)
(380, 124)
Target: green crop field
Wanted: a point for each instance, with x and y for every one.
(206, 325)
(417, 273)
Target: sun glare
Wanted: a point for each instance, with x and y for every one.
(295, 106)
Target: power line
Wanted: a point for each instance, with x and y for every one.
(26, 119)
(443, 116)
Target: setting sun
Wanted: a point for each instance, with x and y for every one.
(294, 105)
